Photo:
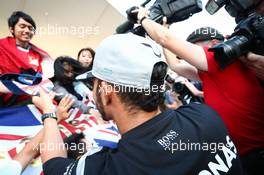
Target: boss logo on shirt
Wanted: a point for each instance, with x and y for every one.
(166, 140)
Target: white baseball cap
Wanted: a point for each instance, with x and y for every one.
(126, 60)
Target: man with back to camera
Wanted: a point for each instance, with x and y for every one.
(17, 54)
(128, 76)
(235, 92)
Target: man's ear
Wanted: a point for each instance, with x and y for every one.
(11, 29)
(106, 92)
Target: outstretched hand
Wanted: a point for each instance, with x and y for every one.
(63, 109)
(44, 101)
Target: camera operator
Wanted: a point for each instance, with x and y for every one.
(183, 90)
(204, 37)
(254, 61)
(128, 75)
(234, 92)
(247, 41)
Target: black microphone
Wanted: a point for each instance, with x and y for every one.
(124, 27)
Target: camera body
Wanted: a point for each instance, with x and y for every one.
(235, 8)
(174, 10)
(248, 34)
(185, 95)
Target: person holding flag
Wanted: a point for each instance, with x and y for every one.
(18, 55)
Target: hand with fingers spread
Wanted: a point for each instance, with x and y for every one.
(63, 108)
(44, 101)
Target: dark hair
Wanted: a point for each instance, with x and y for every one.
(142, 101)
(92, 53)
(60, 77)
(74, 140)
(14, 18)
(59, 68)
(205, 34)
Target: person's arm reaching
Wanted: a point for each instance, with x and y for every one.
(30, 151)
(193, 89)
(180, 67)
(192, 53)
(51, 130)
(32, 148)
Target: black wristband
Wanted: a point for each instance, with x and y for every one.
(142, 19)
(49, 115)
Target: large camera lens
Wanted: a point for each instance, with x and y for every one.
(226, 53)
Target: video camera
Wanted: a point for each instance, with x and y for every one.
(248, 34)
(174, 10)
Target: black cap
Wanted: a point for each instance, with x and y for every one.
(205, 34)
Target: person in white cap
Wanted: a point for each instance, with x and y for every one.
(128, 76)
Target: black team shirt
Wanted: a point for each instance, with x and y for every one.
(189, 140)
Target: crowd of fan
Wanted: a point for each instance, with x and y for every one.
(149, 124)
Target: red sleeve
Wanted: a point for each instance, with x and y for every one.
(1, 71)
(40, 65)
(212, 64)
